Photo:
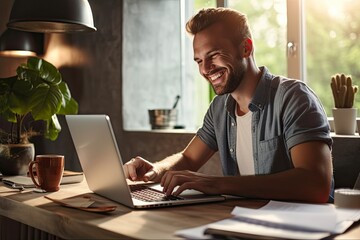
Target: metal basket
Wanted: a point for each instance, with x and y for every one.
(162, 118)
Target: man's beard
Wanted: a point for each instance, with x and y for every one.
(233, 81)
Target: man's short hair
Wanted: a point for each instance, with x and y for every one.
(234, 22)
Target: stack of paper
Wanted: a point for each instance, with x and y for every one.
(279, 220)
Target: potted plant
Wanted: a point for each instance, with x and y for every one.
(344, 96)
(36, 93)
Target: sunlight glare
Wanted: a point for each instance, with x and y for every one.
(336, 8)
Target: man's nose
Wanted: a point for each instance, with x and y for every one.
(207, 67)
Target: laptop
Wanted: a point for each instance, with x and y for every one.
(101, 162)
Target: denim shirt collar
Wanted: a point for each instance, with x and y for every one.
(260, 95)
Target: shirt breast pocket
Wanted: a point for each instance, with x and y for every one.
(272, 156)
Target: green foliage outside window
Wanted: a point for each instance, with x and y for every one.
(333, 45)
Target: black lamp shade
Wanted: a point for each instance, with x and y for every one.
(20, 43)
(51, 16)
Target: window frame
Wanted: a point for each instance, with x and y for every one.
(296, 64)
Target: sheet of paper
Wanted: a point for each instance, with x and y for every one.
(247, 229)
(342, 214)
(194, 233)
(286, 220)
(345, 214)
(319, 217)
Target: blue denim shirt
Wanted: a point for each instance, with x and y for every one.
(286, 112)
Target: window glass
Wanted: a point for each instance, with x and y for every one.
(202, 90)
(332, 45)
(267, 21)
(158, 63)
(199, 4)
(151, 59)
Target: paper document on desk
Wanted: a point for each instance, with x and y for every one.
(237, 228)
(306, 216)
(280, 220)
(319, 217)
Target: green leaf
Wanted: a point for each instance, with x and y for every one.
(27, 74)
(34, 63)
(19, 104)
(70, 108)
(46, 70)
(4, 103)
(53, 128)
(45, 101)
(6, 84)
(65, 92)
(5, 111)
(4, 88)
(19, 98)
(69, 105)
(9, 116)
(22, 87)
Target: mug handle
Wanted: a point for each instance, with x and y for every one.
(32, 173)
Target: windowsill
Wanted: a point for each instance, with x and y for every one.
(162, 131)
(184, 131)
(333, 134)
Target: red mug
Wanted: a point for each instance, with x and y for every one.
(49, 171)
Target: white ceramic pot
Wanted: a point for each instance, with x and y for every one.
(344, 120)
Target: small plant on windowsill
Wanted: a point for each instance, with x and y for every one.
(344, 97)
(36, 92)
(343, 91)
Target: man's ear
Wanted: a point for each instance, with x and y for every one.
(247, 47)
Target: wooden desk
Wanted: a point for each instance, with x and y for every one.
(34, 210)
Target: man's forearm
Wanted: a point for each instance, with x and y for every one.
(175, 162)
(292, 185)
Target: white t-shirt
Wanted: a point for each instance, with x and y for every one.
(244, 150)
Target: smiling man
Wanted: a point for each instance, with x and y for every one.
(271, 132)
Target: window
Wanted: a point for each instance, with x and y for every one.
(268, 23)
(158, 63)
(303, 39)
(332, 33)
(151, 59)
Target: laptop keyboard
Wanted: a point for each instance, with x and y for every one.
(146, 194)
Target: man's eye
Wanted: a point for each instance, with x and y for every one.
(214, 55)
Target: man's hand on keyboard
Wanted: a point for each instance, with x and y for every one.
(139, 169)
(183, 180)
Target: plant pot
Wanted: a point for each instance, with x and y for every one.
(344, 120)
(15, 158)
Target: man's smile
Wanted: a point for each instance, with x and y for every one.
(216, 76)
